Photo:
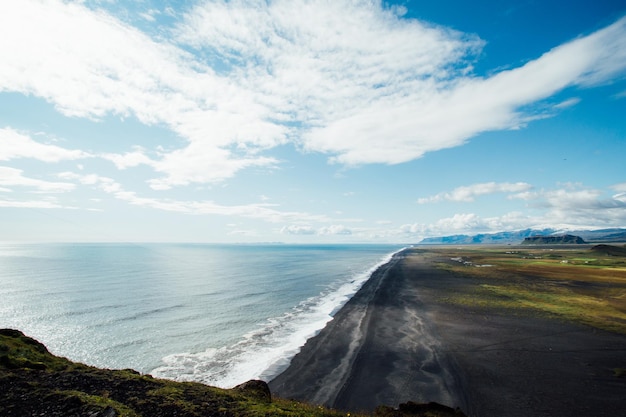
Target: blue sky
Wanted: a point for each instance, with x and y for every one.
(309, 121)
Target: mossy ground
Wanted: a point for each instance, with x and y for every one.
(579, 285)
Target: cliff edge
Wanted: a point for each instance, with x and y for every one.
(35, 382)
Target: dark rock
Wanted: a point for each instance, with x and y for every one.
(412, 409)
(11, 333)
(609, 250)
(257, 389)
(16, 334)
(107, 412)
(415, 408)
(552, 240)
(131, 371)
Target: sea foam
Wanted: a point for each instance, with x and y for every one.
(267, 351)
(240, 311)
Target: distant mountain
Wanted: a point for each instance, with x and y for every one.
(610, 250)
(603, 235)
(487, 238)
(552, 240)
(517, 237)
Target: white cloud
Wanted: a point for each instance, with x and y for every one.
(621, 191)
(465, 223)
(234, 79)
(263, 211)
(470, 192)
(336, 229)
(297, 230)
(569, 207)
(149, 15)
(13, 177)
(458, 222)
(38, 204)
(322, 64)
(14, 145)
(129, 159)
(470, 223)
(621, 187)
(112, 68)
(576, 205)
(620, 197)
(348, 78)
(382, 89)
(199, 163)
(567, 103)
(309, 230)
(399, 127)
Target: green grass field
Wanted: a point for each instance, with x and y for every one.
(577, 284)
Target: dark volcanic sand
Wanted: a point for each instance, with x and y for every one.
(396, 341)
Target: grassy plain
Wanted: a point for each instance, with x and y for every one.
(574, 283)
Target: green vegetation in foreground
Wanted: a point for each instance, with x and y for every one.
(586, 285)
(33, 382)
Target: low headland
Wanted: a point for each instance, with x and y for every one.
(438, 331)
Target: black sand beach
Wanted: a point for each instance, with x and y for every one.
(398, 340)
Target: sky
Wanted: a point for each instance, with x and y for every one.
(331, 121)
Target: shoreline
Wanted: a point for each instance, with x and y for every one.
(398, 340)
(359, 360)
(318, 372)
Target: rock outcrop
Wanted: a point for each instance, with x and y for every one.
(609, 250)
(554, 240)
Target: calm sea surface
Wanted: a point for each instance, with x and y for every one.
(219, 314)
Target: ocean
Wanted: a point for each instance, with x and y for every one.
(218, 314)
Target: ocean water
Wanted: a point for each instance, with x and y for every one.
(218, 314)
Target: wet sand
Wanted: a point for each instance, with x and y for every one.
(397, 340)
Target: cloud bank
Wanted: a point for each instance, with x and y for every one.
(14, 145)
(469, 193)
(351, 79)
(572, 206)
(233, 81)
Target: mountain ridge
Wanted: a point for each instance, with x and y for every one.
(518, 236)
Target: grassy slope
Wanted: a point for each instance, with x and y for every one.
(35, 382)
(577, 284)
